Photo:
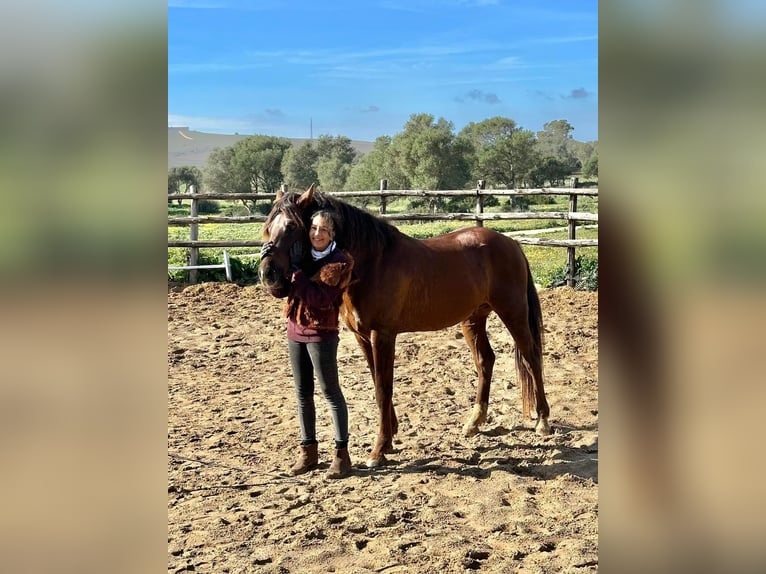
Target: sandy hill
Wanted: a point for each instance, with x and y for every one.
(188, 147)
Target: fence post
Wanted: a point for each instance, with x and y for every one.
(479, 203)
(572, 235)
(383, 187)
(193, 236)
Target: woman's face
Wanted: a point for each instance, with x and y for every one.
(321, 233)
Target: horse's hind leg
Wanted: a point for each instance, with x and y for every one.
(529, 364)
(475, 332)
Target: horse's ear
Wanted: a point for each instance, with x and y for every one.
(279, 195)
(306, 196)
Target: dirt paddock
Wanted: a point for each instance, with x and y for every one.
(505, 500)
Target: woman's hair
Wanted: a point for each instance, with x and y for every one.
(328, 216)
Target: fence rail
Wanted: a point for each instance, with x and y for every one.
(478, 217)
(404, 193)
(571, 216)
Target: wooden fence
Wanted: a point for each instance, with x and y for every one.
(478, 217)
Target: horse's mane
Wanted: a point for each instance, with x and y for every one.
(360, 233)
(287, 204)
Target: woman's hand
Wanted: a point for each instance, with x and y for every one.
(296, 256)
(267, 248)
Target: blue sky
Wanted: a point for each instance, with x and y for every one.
(360, 68)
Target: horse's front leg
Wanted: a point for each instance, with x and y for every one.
(383, 346)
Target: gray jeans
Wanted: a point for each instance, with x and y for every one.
(320, 359)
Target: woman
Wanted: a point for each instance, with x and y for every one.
(312, 308)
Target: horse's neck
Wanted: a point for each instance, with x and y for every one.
(367, 264)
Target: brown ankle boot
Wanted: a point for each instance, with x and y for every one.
(341, 465)
(308, 458)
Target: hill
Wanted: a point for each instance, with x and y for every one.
(187, 147)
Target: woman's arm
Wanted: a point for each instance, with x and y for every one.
(315, 293)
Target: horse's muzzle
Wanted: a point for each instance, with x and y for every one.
(273, 279)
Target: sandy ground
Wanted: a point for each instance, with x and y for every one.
(505, 500)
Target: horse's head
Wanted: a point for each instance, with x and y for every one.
(284, 226)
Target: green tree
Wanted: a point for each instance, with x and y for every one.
(590, 169)
(252, 165)
(429, 154)
(503, 154)
(219, 174)
(180, 179)
(299, 166)
(584, 151)
(335, 157)
(379, 163)
(551, 170)
(555, 140)
(332, 172)
(489, 131)
(366, 173)
(338, 146)
(258, 160)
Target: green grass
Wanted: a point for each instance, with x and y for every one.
(545, 262)
(175, 210)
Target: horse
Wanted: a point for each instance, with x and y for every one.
(401, 284)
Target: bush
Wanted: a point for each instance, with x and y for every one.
(460, 204)
(519, 203)
(541, 199)
(235, 210)
(586, 274)
(245, 272)
(208, 206)
(263, 207)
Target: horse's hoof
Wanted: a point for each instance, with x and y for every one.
(543, 428)
(478, 417)
(376, 462)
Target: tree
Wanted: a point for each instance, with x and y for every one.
(556, 141)
(379, 163)
(584, 151)
(590, 169)
(180, 179)
(489, 131)
(258, 160)
(429, 155)
(335, 157)
(219, 174)
(551, 170)
(338, 146)
(503, 153)
(328, 162)
(332, 172)
(252, 165)
(299, 166)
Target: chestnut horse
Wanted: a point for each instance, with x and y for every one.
(401, 284)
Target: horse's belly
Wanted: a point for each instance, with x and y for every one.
(428, 319)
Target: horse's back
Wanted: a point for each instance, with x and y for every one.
(486, 246)
(437, 282)
(473, 259)
(468, 237)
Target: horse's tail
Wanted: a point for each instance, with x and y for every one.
(523, 371)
